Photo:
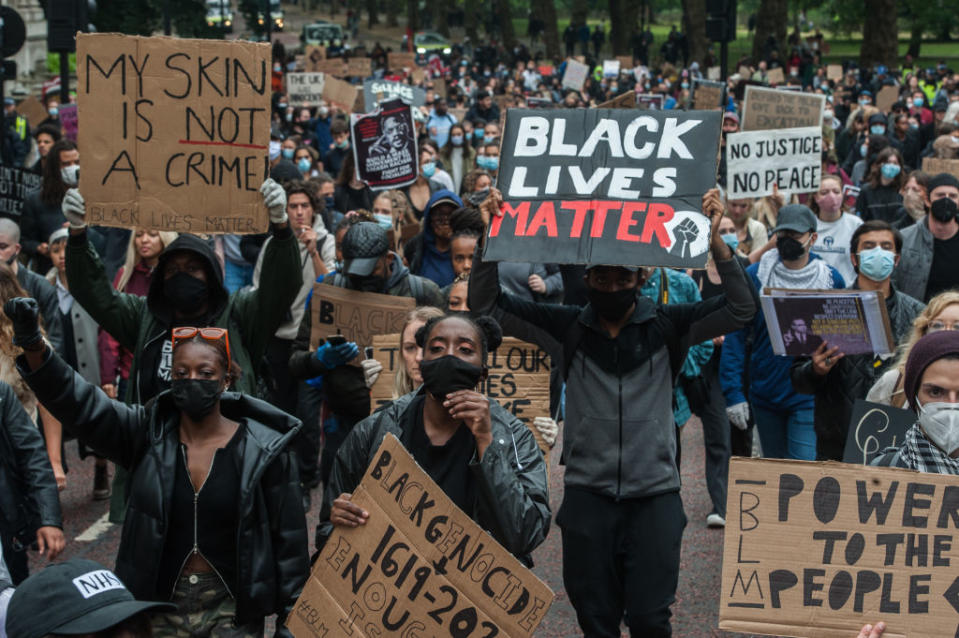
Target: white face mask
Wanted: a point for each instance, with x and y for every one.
(940, 422)
(70, 174)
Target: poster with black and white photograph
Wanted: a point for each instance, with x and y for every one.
(384, 146)
(376, 91)
(605, 186)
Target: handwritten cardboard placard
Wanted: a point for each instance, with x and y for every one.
(873, 427)
(758, 160)
(625, 100)
(434, 573)
(359, 67)
(887, 96)
(305, 88)
(776, 76)
(625, 62)
(397, 61)
(15, 185)
(330, 66)
(934, 166)
(174, 132)
(575, 75)
(68, 121)
(707, 94)
(819, 549)
(714, 73)
(340, 93)
(834, 72)
(518, 378)
(312, 56)
(32, 109)
(358, 316)
(766, 109)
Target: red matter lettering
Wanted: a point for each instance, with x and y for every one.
(545, 217)
(520, 214)
(656, 219)
(599, 217)
(579, 216)
(627, 221)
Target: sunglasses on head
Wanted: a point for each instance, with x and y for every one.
(186, 333)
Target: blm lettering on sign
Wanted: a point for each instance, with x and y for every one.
(604, 186)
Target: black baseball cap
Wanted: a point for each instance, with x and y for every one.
(75, 597)
(363, 245)
(797, 218)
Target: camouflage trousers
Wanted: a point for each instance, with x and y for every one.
(205, 609)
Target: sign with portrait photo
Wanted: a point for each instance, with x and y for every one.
(384, 146)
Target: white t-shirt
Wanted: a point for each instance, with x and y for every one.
(833, 244)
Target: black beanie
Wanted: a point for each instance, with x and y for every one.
(925, 352)
(943, 179)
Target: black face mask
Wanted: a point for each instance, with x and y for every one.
(790, 249)
(185, 293)
(611, 306)
(368, 284)
(195, 397)
(12, 259)
(448, 374)
(944, 210)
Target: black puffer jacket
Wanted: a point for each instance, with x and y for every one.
(850, 379)
(28, 491)
(272, 541)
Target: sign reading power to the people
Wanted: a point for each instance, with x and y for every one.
(605, 186)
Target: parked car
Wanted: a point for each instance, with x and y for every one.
(219, 15)
(276, 15)
(426, 43)
(326, 34)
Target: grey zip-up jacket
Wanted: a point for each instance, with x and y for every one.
(512, 498)
(619, 439)
(912, 274)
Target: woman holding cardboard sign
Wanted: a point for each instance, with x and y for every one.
(482, 457)
(215, 522)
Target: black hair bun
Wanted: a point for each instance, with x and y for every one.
(492, 332)
(467, 220)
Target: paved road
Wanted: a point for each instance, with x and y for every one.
(695, 612)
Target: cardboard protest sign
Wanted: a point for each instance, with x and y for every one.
(439, 86)
(714, 73)
(934, 166)
(799, 321)
(359, 67)
(625, 100)
(330, 66)
(776, 76)
(873, 428)
(305, 88)
(650, 101)
(758, 160)
(575, 75)
(384, 146)
(419, 566)
(398, 60)
(745, 72)
(818, 549)
(887, 96)
(418, 75)
(766, 109)
(34, 110)
(625, 62)
(518, 378)
(175, 132)
(340, 93)
(611, 68)
(605, 186)
(312, 56)
(503, 102)
(376, 91)
(707, 94)
(68, 121)
(834, 72)
(15, 185)
(355, 315)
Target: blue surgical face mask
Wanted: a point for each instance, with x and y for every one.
(281, 106)
(53, 111)
(478, 134)
(457, 140)
(287, 153)
(877, 129)
(384, 221)
(274, 149)
(917, 102)
(864, 102)
(488, 139)
(489, 163)
(731, 240)
(889, 171)
(304, 164)
(343, 145)
(877, 263)
(864, 150)
(684, 85)
(429, 169)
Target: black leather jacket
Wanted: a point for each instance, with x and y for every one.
(272, 541)
(28, 491)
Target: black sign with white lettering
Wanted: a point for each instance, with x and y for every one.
(874, 427)
(15, 185)
(377, 91)
(605, 186)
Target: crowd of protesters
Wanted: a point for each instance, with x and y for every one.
(185, 362)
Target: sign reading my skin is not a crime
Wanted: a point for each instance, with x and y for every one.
(819, 549)
(174, 132)
(605, 186)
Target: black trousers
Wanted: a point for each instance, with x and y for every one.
(621, 558)
(15, 557)
(716, 438)
(306, 443)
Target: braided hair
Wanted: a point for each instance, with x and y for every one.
(488, 329)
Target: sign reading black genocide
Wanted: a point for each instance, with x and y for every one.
(384, 146)
(15, 185)
(377, 91)
(605, 186)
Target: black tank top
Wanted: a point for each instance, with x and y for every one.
(205, 521)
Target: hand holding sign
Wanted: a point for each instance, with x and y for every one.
(346, 513)
(824, 358)
(713, 209)
(74, 209)
(492, 206)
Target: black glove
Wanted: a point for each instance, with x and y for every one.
(25, 315)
